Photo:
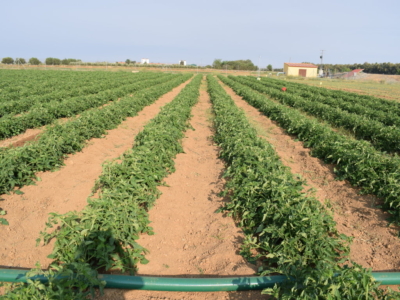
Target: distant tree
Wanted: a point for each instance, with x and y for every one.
(128, 61)
(208, 66)
(133, 62)
(181, 62)
(53, 61)
(269, 68)
(68, 61)
(20, 61)
(34, 61)
(235, 65)
(7, 60)
(217, 64)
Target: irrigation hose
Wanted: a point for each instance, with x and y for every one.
(188, 284)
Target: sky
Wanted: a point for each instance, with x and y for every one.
(267, 32)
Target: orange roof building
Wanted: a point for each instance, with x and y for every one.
(300, 69)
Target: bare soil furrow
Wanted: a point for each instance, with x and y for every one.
(64, 190)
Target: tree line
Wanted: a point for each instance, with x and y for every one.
(375, 68)
(36, 61)
(234, 65)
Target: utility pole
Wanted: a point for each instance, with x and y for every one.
(322, 62)
(259, 68)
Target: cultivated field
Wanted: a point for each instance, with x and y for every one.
(184, 175)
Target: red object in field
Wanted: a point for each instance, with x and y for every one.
(284, 89)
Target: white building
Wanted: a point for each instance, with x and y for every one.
(182, 62)
(145, 61)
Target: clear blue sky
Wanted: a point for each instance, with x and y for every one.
(200, 31)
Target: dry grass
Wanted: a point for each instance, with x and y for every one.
(388, 87)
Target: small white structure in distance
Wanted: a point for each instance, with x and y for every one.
(182, 62)
(145, 61)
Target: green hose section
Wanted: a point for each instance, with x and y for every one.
(176, 284)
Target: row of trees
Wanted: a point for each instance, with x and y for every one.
(35, 61)
(234, 65)
(375, 68)
(20, 61)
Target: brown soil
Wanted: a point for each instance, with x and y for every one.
(381, 77)
(374, 244)
(361, 92)
(63, 190)
(21, 139)
(200, 242)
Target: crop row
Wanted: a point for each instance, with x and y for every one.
(379, 104)
(46, 113)
(388, 116)
(31, 82)
(384, 138)
(292, 232)
(15, 80)
(104, 234)
(20, 164)
(356, 160)
(13, 107)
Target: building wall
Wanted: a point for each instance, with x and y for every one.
(145, 61)
(294, 71)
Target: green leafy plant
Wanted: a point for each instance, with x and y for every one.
(103, 235)
(288, 231)
(356, 160)
(358, 121)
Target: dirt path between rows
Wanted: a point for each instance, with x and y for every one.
(64, 190)
(374, 245)
(21, 139)
(191, 240)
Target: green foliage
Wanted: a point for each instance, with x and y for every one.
(20, 61)
(292, 232)
(52, 61)
(363, 118)
(103, 235)
(356, 160)
(37, 85)
(7, 60)
(34, 61)
(269, 68)
(375, 68)
(41, 113)
(19, 165)
(68, 61)
(234, 65)
(67, 281)
(2, 220)
(128, 61)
